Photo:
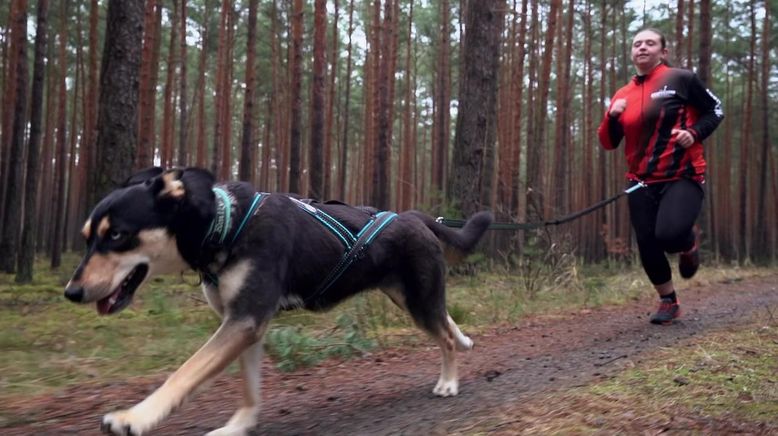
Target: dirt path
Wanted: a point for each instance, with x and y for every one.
(390, 392)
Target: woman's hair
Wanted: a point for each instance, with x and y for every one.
(662, 40)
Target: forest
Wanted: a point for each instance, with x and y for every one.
(439, 105)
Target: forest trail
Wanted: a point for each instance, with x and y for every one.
(389, 392)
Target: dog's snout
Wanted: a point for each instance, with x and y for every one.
(74, 293)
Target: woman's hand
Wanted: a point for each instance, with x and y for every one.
(683, 137)
(617, 108)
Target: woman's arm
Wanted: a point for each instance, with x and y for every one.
(709, 107)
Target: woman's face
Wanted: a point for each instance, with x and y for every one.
(647, 51)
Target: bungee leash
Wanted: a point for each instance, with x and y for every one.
(538, 224)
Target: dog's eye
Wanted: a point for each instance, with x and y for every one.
(115, 235)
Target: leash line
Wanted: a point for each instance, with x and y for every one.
(538, 224)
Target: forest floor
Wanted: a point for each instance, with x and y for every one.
(601, 371)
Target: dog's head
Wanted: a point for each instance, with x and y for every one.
(130, 235)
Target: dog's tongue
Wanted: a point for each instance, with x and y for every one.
(104, 305)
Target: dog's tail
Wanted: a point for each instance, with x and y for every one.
(461, 241)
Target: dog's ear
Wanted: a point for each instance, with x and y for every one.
(169, 185)
(142, 176)
(176, 183)
(199, 186)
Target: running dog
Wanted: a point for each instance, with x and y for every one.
(257, 254)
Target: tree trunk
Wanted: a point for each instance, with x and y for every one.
(148, 84)
(343, 164)
(330, 133)
(536, 150)
(380, 197)
(60, 172)
(563, 149)
(27, 250)
(477, 116)
(219, 99)
(441, 126)
(744, 227)
(12, 216)
(118, 110)
(201, 158)
(762, 236)
(703, 68)
(168, 104)
(9, 101)
(182, 157)
(316, 150)
(405, 182)
(90, 112)
(46, 187)
(247, 139)
(690, 36)
(295, 166)
(678, 48)
(225, 169)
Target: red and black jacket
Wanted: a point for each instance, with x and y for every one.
(658, 102)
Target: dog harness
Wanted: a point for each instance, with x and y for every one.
(355, 245)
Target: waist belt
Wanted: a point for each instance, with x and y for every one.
(355, 245)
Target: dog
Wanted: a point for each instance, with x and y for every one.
(257, 254)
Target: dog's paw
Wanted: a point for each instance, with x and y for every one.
(446, 388)
(123, 423)
(240, 424)
(229, 430)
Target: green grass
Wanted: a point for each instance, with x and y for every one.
(47, 342)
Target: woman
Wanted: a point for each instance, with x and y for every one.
(663, 114)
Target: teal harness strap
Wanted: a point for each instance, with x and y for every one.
(333, 225)
(365, 237)
(249, 213)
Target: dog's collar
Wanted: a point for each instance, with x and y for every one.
(222, 223)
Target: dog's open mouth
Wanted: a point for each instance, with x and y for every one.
(122, 296)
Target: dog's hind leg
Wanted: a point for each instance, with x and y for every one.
(424, 297)
(245, 418)
(231, 339)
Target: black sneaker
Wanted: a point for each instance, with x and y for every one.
(667, 312)
(689, 261)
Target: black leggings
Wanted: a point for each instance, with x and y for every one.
(663, 215)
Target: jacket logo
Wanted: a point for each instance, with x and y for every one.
(663, 93)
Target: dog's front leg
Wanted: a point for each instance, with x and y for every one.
(245, 418)
(229, 341)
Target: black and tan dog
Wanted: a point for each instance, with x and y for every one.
(259, 254)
